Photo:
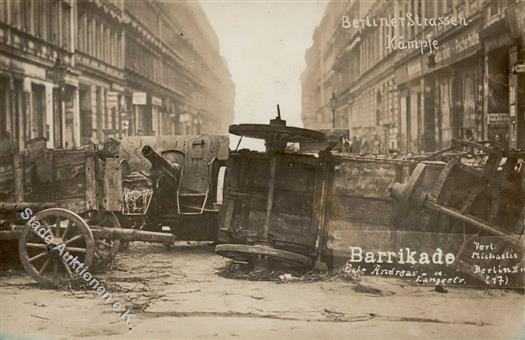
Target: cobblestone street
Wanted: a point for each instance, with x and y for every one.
(176, 292)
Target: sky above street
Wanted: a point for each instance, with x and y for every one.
(264, 44)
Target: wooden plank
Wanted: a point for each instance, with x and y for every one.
(357, 209)
(364, 179)
(91, 184)
(7, 182)
(320, 216)
(226, 215)
(75, 187)
(293, 228)
(19, 178)
(9, 235)
(75, 204)
(254, 222)
(294, 176)
(112, 200)
(70, 172)
(341, 239)
(271, 190)
(71, 157)
(298, 203)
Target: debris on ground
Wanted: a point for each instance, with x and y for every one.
(441, 289)
(283, 274)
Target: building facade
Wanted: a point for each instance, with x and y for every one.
(83, 71)
(417, 99)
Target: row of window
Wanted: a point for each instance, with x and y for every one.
(52, 21)
(96, 113)
(374, 42)
(151, 66)
(40, 18)
(148, 17)
(100, 40)
(377, 106)
(143, 61)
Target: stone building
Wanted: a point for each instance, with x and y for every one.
(99, 56)
(413, 100)
(82, 71)
(37, 47)
(318, 79)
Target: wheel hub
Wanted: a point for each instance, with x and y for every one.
(55, 241)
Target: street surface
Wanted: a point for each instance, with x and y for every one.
(176, 293)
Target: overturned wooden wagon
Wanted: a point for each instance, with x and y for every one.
(270, 208)
(333, 209)
(475, 212)
(302, 209)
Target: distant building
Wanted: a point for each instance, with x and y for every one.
(82, 71)
(473, 84)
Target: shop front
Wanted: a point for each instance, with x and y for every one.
(497, 84)
(454, 90)
(504, 38)
(410, 86)
(516, 25)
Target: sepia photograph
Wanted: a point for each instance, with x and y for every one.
(250, 169)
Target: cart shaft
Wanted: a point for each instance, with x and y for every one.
(14, 206)
(131, 235)
(104, 233)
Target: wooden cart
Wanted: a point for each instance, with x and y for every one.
(78, 197)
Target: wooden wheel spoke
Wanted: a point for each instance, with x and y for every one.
(76, 249)
(64, 234)
(73, 239)
(44, 266)
(45, 226)
(68, 269)
(105, 243)
(36, 245)
(44, 221)
(36, 257)
(57, 225)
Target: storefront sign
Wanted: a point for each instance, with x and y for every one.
(185, 117)
(455, 49)
(156, 101)
(518, 68)
(467, 41)
(139, 98)
(498, 118)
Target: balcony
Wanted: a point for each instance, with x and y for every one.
(26, 45)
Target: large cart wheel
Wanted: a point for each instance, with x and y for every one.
(274, 132)
(45, 262)
(105, 249)
(250, 253)
(406, 195)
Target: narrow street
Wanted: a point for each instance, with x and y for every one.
(178, 293)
